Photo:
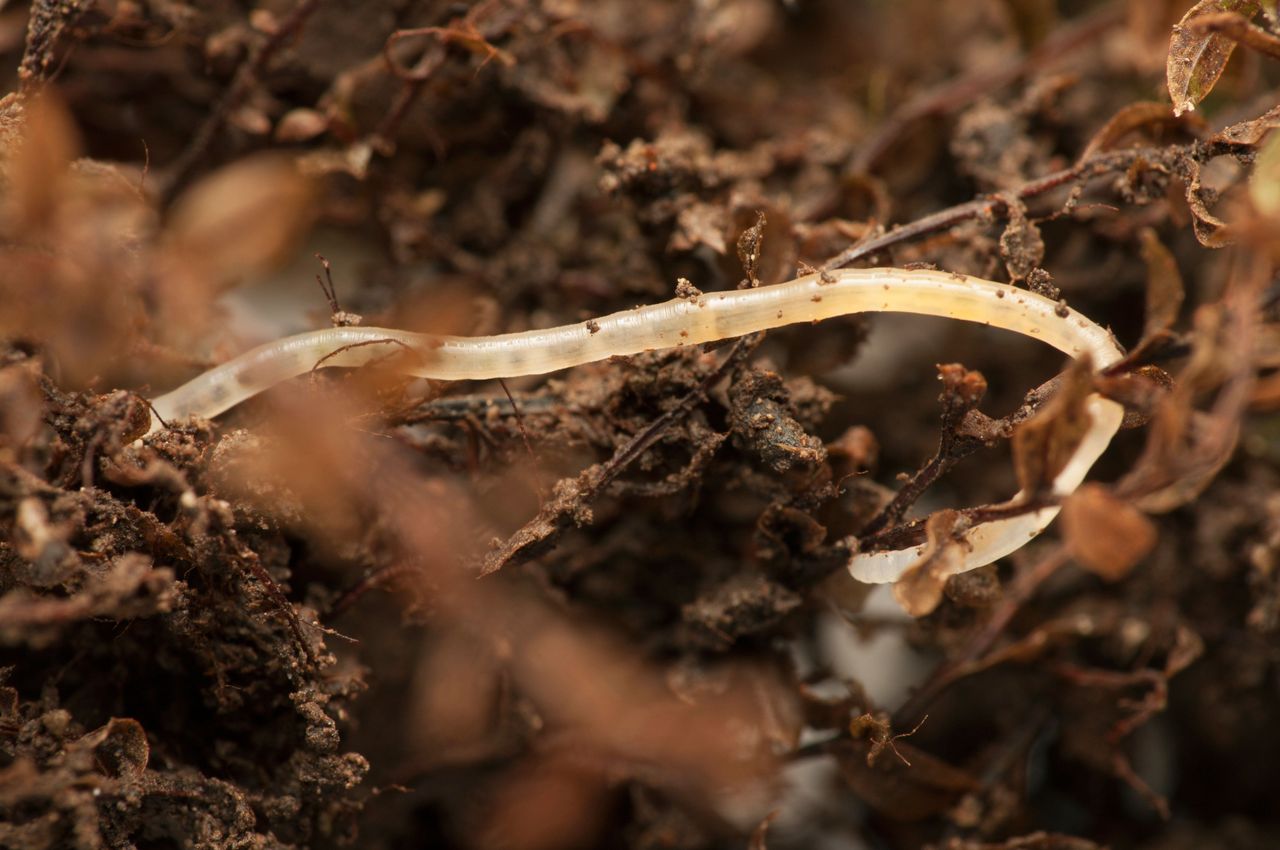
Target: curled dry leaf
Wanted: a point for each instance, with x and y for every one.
(1130, 119)
(1165, 291)
(913, 787)
(243, 219)
(1197, 59)
(1187, 447)
(1238, 29)
(1043, 444)
(1107, 535)
(39, 164)
(120, 748)
(1210, 230)
(919, 589)
(1249, 132)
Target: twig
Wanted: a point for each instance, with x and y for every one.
(1100, 165)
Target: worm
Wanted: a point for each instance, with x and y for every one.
(690, 321)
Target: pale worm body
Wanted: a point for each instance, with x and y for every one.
(690, 321)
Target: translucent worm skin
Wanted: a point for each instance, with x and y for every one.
(706, 318)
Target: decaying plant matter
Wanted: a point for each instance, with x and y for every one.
(609, 606)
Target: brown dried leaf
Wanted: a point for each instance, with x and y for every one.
(21, 406)
(1250, 132)
(39, 166)
(1186, 447)
(907, 792)
(1165, 291)
(1211, 231)
(120, 748)
(1043, 444)
(750, 244)
(244, 219)
(1238, 29)
(1196, 60)
(1130, 118)
(299, 125)
(1107, 535)
(920, 587)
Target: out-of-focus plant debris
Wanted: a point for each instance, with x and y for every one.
(608, 607)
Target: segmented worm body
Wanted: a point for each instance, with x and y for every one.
(689, 321)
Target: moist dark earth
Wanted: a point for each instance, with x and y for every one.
(608, 607)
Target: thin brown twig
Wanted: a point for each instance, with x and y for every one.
(1109, 162)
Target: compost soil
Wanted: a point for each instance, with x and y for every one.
(608, 607)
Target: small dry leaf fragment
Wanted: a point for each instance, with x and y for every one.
(1129, 119)
(1107, 535)
(300, 125)
(38, 168)
(1164, 285)
(906, 792)
(1211, 231)
(1043, 444)
(1238, 29)
(919, 590)
(1249, 132)
(243, 219)
(750, 244)
(120, 748)
(1196, 59)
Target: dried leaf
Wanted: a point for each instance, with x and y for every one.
(21, 406)
(1250, 132)
(919, 589)
(40, 164)
(299, 125)
(243, 219)
(1211, 231)
(120, 748)
(1043, 444)
(1238, 29)
(1164, 285)
(750, 244)
(1107, 535)
(907, 792)
(1196, 60)
(1130, 118)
